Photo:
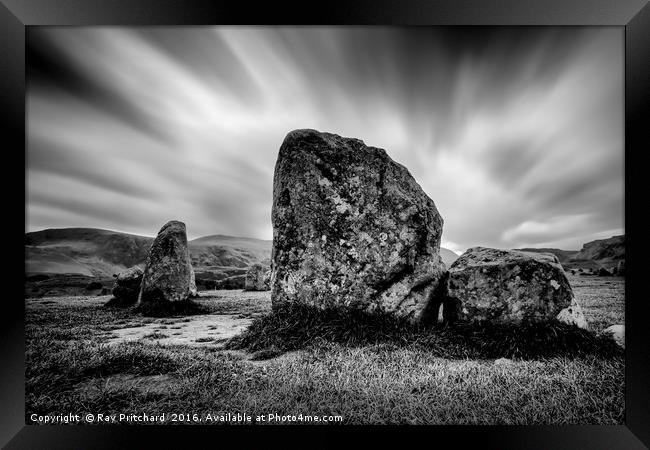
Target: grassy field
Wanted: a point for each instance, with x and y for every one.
(364, 372)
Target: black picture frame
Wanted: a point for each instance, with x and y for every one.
(634, 15)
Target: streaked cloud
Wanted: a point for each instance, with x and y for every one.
(516, 133)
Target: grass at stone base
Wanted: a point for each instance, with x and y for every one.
(382, 381)
(295, 326)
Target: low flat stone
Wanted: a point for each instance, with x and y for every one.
(507, 286)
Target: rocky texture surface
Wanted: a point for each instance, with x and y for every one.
(617, 333)
(573, 315)
(127, 285)
(351, 228)
(257, 278)
(502, 286)
(168, 274)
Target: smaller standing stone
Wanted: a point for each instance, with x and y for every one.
(257, 278)
(168, 275)
(506, 286)
(194, 293)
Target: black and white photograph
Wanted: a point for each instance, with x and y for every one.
(325, 225)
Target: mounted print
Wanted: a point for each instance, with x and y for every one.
(325, 225)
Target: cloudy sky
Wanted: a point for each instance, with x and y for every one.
(515, 133)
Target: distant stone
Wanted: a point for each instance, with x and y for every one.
(617, 333)
(352, 229)
(620, 269)
(127, 285)
(506, 286)
(194, 293)
(93, 286)
(256, 278)
(602, 272)
(233, 282)
(168, 274)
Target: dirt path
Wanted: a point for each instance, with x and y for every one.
(200, 330)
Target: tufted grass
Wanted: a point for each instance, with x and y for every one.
(378, 384)
(367, 370)
(295, 326)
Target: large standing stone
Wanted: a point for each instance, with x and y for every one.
(256, 278)
(502, 286)
(351, 228)
(127, 285)
(168, 274)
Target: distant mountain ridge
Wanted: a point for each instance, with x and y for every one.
(86, 251)
(601, 253)
(612, 249)
(101, 253)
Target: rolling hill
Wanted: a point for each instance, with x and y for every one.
(210, 252)
(101, 253)
(612, 249)
(85, 251)
(602, 253)
(64, 261)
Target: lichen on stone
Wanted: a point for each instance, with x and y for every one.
(510, 287)
(352, 228)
